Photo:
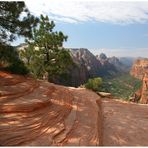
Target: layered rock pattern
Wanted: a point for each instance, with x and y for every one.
(38, 113)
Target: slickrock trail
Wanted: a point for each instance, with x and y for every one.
(38, 113)
(124, 124)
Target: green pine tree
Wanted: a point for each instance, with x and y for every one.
(13, 24)
(51, 57)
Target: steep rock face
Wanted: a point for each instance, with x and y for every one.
(87, 66)
(140, 71)
(78, 75)
(139, 68)
(144, 91)
(84, 58)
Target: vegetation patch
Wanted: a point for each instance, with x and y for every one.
(94, 84)
(123, 86)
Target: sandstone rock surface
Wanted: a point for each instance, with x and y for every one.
(139, 68)
(144, 90)
(124, 124)
(104, 94)
(38, 113)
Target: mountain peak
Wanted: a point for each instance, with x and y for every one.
(103, 56)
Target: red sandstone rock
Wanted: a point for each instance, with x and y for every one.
(139, 68)
(38, 113)
(53, 115)
(140, 71)
(125, 124)
(144, 93)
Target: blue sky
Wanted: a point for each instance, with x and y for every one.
(115, 28)
(96, 36)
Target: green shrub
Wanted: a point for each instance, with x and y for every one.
(94, 84)
(17, 67)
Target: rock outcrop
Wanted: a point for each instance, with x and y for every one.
(139, 68)
(39, 113)
(140, 71)
(144, 90)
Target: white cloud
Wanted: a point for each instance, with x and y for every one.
(73, 11)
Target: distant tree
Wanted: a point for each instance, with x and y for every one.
(54, 59)
(94, 84)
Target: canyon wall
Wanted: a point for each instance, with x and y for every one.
(144, 94)
(90, 66)
(139, 68)
(140, 71)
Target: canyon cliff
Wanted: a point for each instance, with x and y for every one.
(144, 94)
(90, 66)
(140, 71)
(86, 66)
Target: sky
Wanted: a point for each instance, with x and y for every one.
(113, 27)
